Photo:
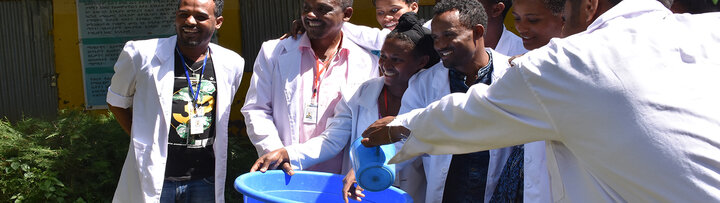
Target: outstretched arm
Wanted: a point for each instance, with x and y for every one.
(368, 38)
(506, 114)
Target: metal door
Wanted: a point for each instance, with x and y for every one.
(27, 66)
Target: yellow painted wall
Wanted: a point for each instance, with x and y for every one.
(229, 36)
(67, 50)
(67, 55)
(364, 13)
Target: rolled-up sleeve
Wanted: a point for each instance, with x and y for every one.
(122, 86)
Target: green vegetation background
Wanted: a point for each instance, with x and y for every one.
(77, 157)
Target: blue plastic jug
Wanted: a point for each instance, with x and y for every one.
(372, 172)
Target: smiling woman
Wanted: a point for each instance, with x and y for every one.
(387, 12)
(537, 21)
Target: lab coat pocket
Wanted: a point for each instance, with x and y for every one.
(142, 154)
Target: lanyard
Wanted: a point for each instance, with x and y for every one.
(194, 94)
(319, 71)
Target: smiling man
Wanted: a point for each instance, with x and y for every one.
(173, 96)
(458, 30)
(296, 83)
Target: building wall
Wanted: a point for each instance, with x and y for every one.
(67, 53)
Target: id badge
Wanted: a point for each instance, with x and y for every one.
(310, 113)
(196, 124)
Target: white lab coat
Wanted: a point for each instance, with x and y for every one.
(429, 86)
(144, 80)
(627, 108)
(510, 44)
(536, 178)
(272, 102)
(353, 114)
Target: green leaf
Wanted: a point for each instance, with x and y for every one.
(715, 2)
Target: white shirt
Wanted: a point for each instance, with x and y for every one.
(353, 114)
(144, 80)
(627, 108)
(429, 86)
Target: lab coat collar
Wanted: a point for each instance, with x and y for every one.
(368, 96)
(628, 8)
(165, 75)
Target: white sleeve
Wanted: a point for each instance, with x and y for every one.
(258, 107)
(507, 113)
(368, 38)
(326, 146)
(122, 86)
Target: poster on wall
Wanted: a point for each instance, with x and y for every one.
(103, 28)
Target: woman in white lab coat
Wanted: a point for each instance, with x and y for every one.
(405, 51)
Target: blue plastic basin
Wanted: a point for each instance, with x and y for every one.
(305, 186)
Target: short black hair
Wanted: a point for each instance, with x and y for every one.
(345, 3)
(555, 6)
(408, 2)
(471, 12)
(218, 7)
(699, 6)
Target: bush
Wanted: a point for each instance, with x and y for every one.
(78, 157)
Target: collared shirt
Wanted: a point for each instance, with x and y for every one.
(274, 102)
(468, 173)
(621, 123)
(428, 86)
(328, 95)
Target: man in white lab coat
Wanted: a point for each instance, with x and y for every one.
(627, 114)
(297, 82)
(173, 96)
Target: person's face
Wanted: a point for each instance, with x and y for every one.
(387, 12)
(323, 18)
(578, 16)
(535, 23)
(195, 22)
(398, 63)
(455, 43)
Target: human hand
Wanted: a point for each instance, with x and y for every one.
(379, 133)
(349, 188)
(273, 160)
(295, 29)
(510, 60)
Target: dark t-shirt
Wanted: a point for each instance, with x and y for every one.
(194, 158)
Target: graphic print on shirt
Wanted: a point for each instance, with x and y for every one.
(205, 105)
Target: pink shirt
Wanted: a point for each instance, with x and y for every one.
(328, 95)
